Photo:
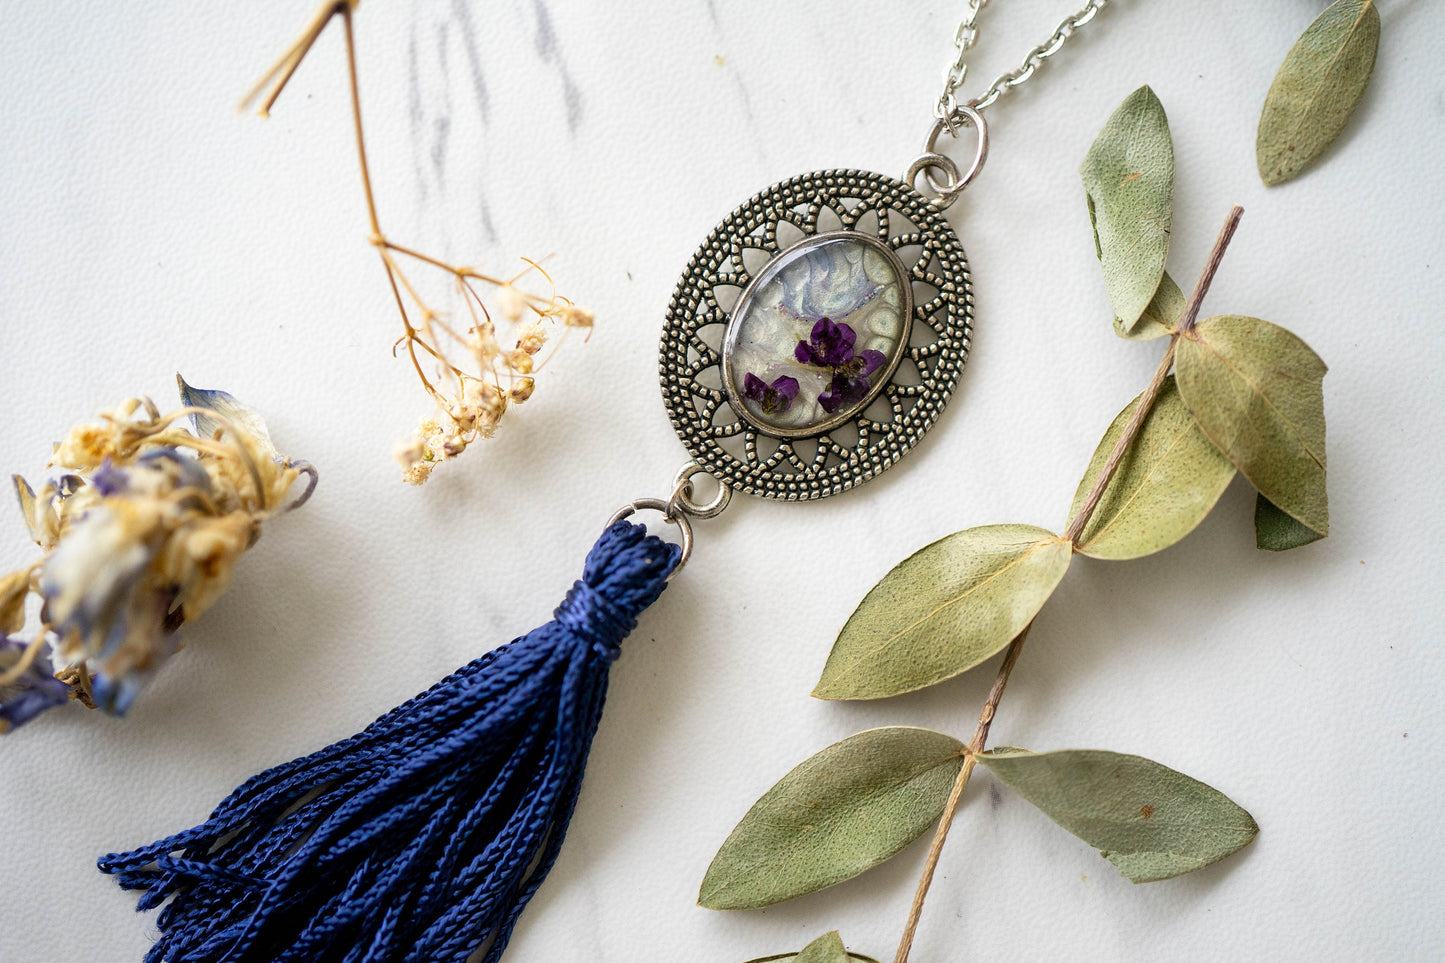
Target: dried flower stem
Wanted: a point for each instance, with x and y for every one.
(1072, 533)
(469, 402)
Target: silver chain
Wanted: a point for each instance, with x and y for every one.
(948, 109)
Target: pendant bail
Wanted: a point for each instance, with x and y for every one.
(931, 162)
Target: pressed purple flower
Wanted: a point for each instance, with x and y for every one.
(36, 690)
(828, 346)
(843, 390)
(774, 398)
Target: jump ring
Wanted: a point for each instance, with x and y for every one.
(681, 499)
(948, 192)
(928, 162)
(658, 505)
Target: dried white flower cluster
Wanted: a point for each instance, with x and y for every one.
(501, 371)
(139, 536)
(500, 367)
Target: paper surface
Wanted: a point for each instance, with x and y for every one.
(149, 228)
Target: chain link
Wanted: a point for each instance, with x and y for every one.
(947, 109)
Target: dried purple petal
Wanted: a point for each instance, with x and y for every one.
(36, 690)
(774, 398)
(828, 346)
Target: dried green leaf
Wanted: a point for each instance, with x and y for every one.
(1160, 317)
(1317, 88)
(1151, 822)
(840, 812)
(1275, 531)
(1170, 478)
(1256, 391)
(827, 948)
(1128, 178)
(943, 610)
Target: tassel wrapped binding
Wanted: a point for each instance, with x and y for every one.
(423, 837)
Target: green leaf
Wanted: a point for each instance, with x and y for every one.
(1128, 178)
(842, 811)
(1256, 391)
(1170, 478)
(1162, 315)
(943, 610)
(1275, 531)
(827, 948)
(1318, 87)
(1151, 822)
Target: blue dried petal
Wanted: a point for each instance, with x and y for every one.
(224, 404)
(115, 694)
(35, 691)
(110, 480)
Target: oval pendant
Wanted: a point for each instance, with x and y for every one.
(816, 334)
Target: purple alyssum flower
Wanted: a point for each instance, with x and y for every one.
(774, 398)
(831, 345)
(850, 381)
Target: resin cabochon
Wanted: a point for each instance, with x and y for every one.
(845, 277)
(859, 248)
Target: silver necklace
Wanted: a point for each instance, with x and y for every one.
(819, 331)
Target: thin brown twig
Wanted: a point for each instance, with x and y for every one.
(1121, 447)
(285, 66)
(945, 822)
(1075, 528)
(345, 10)
(1201, 287)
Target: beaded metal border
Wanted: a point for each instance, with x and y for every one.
(822, 465)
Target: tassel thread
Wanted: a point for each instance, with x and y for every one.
(422, 838)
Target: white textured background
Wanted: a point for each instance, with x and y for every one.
(146, 227)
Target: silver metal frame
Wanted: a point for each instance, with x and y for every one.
(733, 329)
(699, 411)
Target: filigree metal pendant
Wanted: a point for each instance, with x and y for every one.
(816, 335)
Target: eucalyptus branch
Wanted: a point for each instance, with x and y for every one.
(1072, 533)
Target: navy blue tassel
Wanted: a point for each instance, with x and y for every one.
(422, 838)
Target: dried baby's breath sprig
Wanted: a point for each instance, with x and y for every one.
(139, 535)
(478, 371)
